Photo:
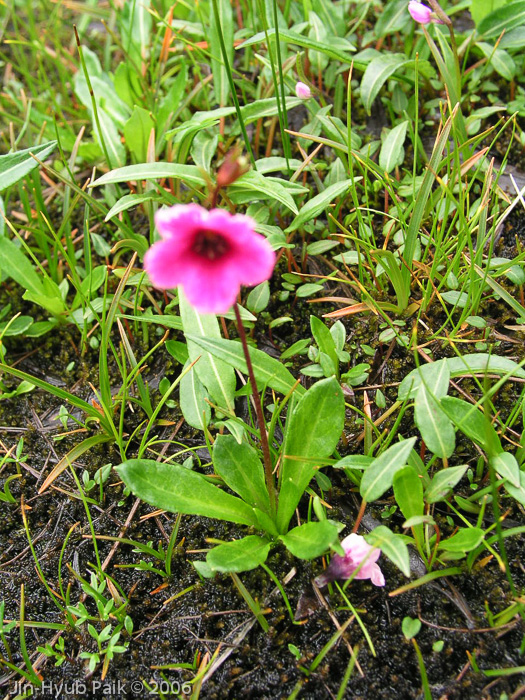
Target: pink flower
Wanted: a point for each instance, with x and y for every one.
(303, 91)
(209, 254)
(357, 552)
(419, 12)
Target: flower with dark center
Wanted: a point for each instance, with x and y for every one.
(210, 254)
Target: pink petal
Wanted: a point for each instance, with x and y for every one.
(211, 288)
(164, 262)
(377, 577)
(181, 220)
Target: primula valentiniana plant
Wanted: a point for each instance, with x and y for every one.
(358, 555)
(210, 254)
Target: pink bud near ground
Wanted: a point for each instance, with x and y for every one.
(303, 91)
(210, 254)
(357, 552)
(419, 12)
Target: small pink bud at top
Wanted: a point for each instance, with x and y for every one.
(419, 12)
(303, 91)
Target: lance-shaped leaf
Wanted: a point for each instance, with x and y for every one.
(379, 476)
(312, 431)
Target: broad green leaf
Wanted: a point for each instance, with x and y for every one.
(259, 297)
(193, 404)
(319, 203)
(517, 492)
(410, 627)
(393, 18)
(392, 545)
(360, 462)
(481, 8)
(137, 132)
(435, 427)
(502, 20)
(392, 151)
(176, 489)
(443, 481)
(203, 149)
(216, 376)
(256, 182)
(312, 431)
(240, 467)
(311, 539)
(239, 555)
(377, 73)
(465, 540)
(268, 370)
(476, 363)
(218, 66)
(499, 60)
(408, 492)
(325, 341)
(131, 200)
(106, 134)
(14, 166)
(189, 174)
(506, 465)
(379, 476)
(16, 265)
(135, 25)
(473, 423)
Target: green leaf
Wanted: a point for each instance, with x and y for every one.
(325, 341)
(216, 376)
(465, 540)
(408, 492)
(218, 68)
(443, 481)
(392, 545)
(473, 423)
(379, 477)
(291, 37)
(502, 20)
(259, 297)
(499, 60)
(393, 18)
(476, 363)
(239, 555)
(193, 404)
(189, 174)
(241, 469)
(131, 200)
(319, 203)
(410, 627)
(517, 493)
(312, 431)
(16, 265)
(311, 539)
(392, 151)
(179, 490)
(268, 371)
(377, 73)
(255, 182)
(435, 427)
(14, 166)
(506, 465)
(137, 132)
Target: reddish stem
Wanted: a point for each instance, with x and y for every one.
(268, 471)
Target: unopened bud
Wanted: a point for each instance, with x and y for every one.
(231, 170)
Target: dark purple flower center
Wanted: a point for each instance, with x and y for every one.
(210, 244)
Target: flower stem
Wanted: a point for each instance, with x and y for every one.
(268, 471)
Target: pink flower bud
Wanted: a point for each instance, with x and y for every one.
(419, 12)
(303, 91)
